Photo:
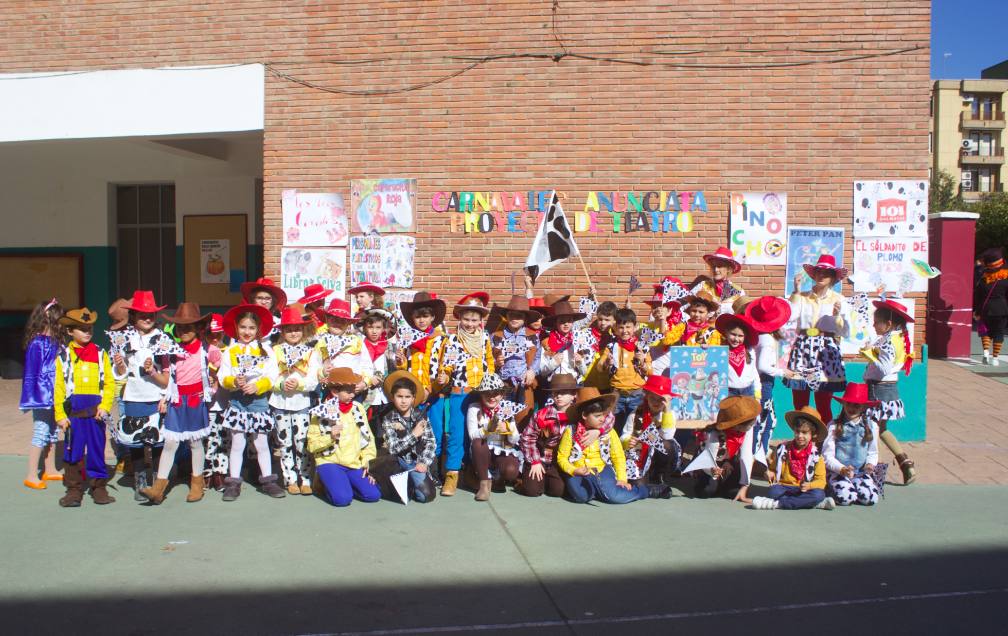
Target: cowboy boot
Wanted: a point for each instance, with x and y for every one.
(156, 493)
(195, 488)
(450, 483)
(232, 488)
(99, 492)
(659, 491)
(271, 487)
(485, 486)
(74, 484)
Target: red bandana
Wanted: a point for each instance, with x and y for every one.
(674, 317)
(345, 407)
(798, 459)
(692, 328)
(87, 353)
(733, 442)
(193, 347)
(737, 358)
(558, 342)
(719, 287)
(630, 344)
(597, 335)
(421, 344)
(377, 348)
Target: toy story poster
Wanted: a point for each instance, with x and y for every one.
(700, 376)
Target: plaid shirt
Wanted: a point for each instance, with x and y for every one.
(399, 439)
(537, 448)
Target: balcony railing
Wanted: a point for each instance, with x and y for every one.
(994, 156)
(983, 120)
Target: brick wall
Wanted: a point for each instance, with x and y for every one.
(532, 123)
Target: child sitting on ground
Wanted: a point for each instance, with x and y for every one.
(796, 471)
(851, 449)
(541, 437)
(493, 438)
(723, 440)
(408, 435)
(652, 428)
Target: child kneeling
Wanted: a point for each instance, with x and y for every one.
(796, 471)
(341, 443)
(408, 434)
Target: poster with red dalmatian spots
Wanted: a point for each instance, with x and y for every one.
(890, 209)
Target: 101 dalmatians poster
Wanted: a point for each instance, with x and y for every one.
(890, 232)
(700, 376)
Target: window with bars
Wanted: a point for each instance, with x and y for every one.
(145, 230)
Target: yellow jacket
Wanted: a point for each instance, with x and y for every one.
(787, 479)
(265, 371)
(85, 381)
(355, 448)
(592, 456)
(626, 377)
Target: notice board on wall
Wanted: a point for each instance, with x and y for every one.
(203, 238)
(29, 279)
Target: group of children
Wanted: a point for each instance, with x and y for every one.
(537, 394)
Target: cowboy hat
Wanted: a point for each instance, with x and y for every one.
(481, 296)
(856, 393)
(216, 323)
(342, 376)
(809, 414)
(314, 293)
(338, 308)
(704, 298)
(660, 385)
(490, 382)
(736, 409)
(263, 314)
(82, 317)
(375, 311)
(367, 287)
(186, 314)
(265, 284)
(421, 300)
(726, 322)
(897, 308)
(768, 313)
(740, 303)
(562, 309)
(724, 254)
(547, 302)
(471, 302)
(119, 314)
(827, 262)
(143, 302)
(586, 396)
(419, 393)
(561, 382)
(293, 316)
(517, 304)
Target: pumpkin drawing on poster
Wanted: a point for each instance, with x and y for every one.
(215, 255)
(759, 227)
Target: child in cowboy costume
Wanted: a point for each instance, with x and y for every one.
(556, 352)
(374, 324)
(651, 428)
(822, 318)
(298, 364)
(421, 343)
(341, 346)
(313, 301)
(722, 266)
(539, 440)
(514, 350)
(143, 366)
(796, 470)
(667, 320)
(367, 296)
(740, 335)
(891, 353)
(407, 433)
(601, 332)
(217, 442)
(851, 449)
(628, 364)
(341, 443)
(264, 292)
(700, 329)
(591, 456)
(767, 315)
(249, 371)
(724, 440)
(82, 400)
(493, 438)
(186, 418)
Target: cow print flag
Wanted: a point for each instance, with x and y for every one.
(554, 241)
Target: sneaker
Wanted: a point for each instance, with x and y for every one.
(986, 357)
(826, 504)
(764, 503)
(995, 362)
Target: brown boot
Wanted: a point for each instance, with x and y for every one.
(450, 483)
(195, 489)
(74, 484)
(156, 493)
(483, 494)
(99, 492)
(907, 467)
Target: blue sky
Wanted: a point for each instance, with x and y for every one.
(975, 32)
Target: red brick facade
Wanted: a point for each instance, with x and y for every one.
(709, 107)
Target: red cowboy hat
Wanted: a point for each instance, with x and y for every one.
(472, 302)
(293, 316)
(856, 393)
(725, 322)
(264, 315)
(724, 254)
(314, 293)
(143, 302)
(482, 297)
(768, 313)
(656, 298)
(660, 385)
(367, 287)
(338, 308)
(894, 307)
(265, 284)
(216, 323)
(826, 261)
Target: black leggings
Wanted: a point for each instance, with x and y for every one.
(996, 327)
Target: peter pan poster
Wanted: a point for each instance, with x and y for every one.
(700, 377)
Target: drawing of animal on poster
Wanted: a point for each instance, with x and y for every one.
(383, 205)
(887, 264)
(300, 267)
(759, 229)
(700, 376)
(890, 208)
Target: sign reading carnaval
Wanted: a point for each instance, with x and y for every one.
(613, 211)
(759, 227)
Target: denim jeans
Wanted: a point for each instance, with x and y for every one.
(454, 427)
(602, 487)
(747, 391)
(416, 478)
(626, 405)
(792, 498)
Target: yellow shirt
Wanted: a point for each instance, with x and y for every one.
(351, 449)
(85, 382)
(592, 456)
(626, 377)
(712, 335)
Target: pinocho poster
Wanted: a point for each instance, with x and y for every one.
(313, 219)
(759, 228)
(700, 376)
(300, 267)
(383, 205)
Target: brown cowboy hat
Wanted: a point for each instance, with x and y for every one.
(809, 414)
(82, 317)
(736, 409)
(424, 299)
(562, 309)
(342, 375)
(703, 298)
(548, 300)
(119, 314)
(186, 314)
(419, 393)
(562, 382)
(518, 304)
(589, 395)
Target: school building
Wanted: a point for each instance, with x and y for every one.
(122, 123)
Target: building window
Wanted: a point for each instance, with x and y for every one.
(145, 230)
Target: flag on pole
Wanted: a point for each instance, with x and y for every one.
(554, 241)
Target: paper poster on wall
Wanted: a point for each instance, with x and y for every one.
(313, 220)
(887, 264)
(397, 253)
(215, 255)
(383, 205)
(300, 267)
(805, 245)
(890, 208)
(700, 376)
(365, 259)
(862, 331)
(759, 229)
(395, 296)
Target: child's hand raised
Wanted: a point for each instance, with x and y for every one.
(798, 281)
